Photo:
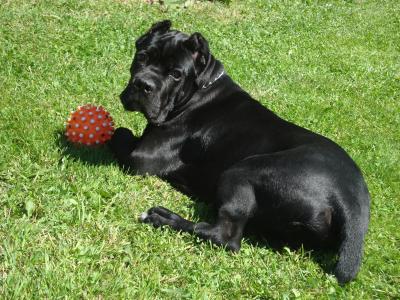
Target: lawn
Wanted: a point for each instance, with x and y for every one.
(68, 216)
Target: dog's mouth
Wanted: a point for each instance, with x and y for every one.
(131, 106)
(155, 122)
(129, 102)
(136, 105)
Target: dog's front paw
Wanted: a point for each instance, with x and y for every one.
(122, 142)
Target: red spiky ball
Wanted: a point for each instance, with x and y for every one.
(89, 125)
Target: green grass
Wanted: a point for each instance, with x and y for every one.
(68, 217)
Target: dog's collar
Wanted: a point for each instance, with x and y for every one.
(207, 84)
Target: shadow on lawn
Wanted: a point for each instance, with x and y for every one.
(325, 258)
(97, 155)
(202, 211)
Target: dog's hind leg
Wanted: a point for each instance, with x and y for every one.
(237, 205)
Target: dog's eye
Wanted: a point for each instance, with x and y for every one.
(176, 74)
(141, 57)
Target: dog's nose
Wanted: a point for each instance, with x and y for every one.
(142, 85)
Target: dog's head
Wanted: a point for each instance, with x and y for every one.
(166, 70)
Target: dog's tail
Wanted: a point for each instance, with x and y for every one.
(354, 228)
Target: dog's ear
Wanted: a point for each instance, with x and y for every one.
(198, 46)
(161, 27)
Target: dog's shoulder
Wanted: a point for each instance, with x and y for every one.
(231, 112)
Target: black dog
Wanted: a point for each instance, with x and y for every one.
(209, 138)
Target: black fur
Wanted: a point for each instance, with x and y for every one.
(212, 140)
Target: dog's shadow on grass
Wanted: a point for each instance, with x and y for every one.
(91, 155)
(325, 258)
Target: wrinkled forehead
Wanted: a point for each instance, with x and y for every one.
(165, 44)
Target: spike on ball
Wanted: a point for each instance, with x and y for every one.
(94, 132)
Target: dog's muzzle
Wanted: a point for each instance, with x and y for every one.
(127, 98)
